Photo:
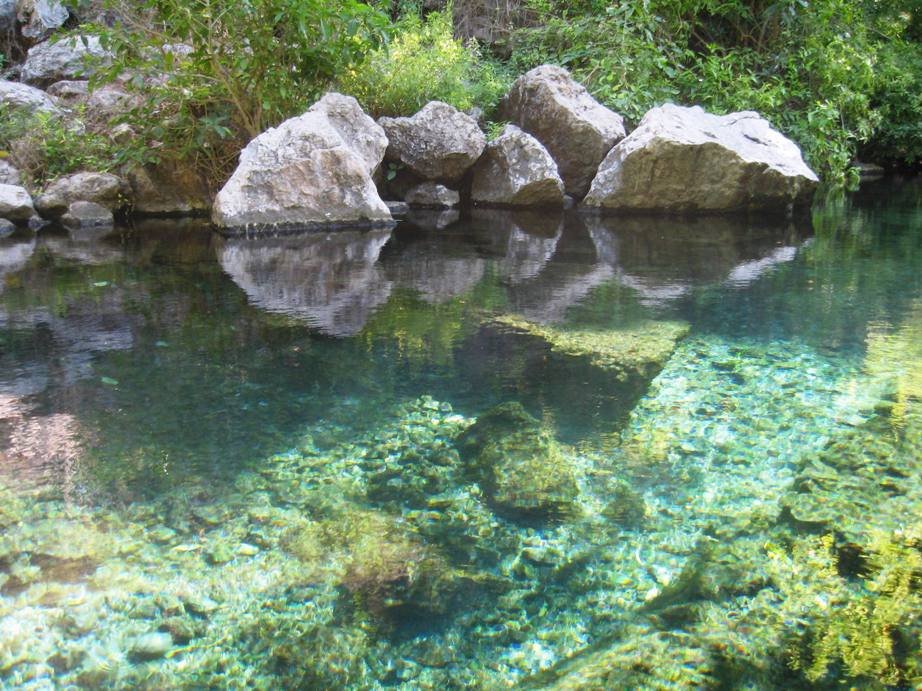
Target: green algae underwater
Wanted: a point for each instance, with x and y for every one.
(506, 450)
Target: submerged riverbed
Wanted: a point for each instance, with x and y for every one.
(280, 463)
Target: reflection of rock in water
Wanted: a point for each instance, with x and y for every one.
(574, 266)
(528, 252)
(437, 267)
(331, 281)
(85, 246)
(664, 258)
(14, 254)
(45, 447)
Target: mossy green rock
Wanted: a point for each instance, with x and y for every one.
(637, 350)
(496, 423)
(521, 468)
(379, 560)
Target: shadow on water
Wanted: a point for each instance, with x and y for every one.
(168, 354)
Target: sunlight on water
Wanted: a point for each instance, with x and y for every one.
(509, 449)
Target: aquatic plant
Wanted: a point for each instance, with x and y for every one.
(872, 629)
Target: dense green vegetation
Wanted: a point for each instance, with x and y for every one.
(843, 78)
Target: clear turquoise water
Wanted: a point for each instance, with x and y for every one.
(269, 428)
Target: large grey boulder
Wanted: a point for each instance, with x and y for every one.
(87, 215)
(105, 189)
(40, 18)
(437, 143)
(686, 160)
(15, 203)
(357, 129)
(577, 130)
(516, 170)
(69, 58)
(300, 173)
(26, 98)
(9, 175)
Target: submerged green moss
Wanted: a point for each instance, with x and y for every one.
(637, 350)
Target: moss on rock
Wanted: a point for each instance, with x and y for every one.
(522, 469)
(638, 350)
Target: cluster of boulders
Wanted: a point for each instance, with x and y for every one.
(82, 200)
(334, 164)
(50, 77)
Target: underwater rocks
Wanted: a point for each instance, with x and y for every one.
(379, 560)
(639, 350)
(867, 477)
(522, 469)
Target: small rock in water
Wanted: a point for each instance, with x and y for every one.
(7, 228)
(151, 646)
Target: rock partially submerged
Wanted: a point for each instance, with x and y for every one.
(432, 195)
(576, 129)
(87, 215)
(15, 203)
(638, 350)
(437, 143)
(516, 170)
(105, 189)
(304, 172)
(685, 160)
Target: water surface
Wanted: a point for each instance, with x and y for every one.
(228, 462)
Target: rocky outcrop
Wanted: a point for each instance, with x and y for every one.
(359, 131)
(25, 97)
(69, 58)
(516, 170)
(688, 161)
(39, 18)
(105, 189)
(69, 90)
(8, 174)
(15, 203)
(166, 189)
(432, 195)
(7, 228)
(576, 129)
(87, 215)
(301, 173)
(438, 143)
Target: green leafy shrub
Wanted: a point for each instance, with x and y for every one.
(44, 146)
(422, 63)
(830, 74)
(242, 67)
